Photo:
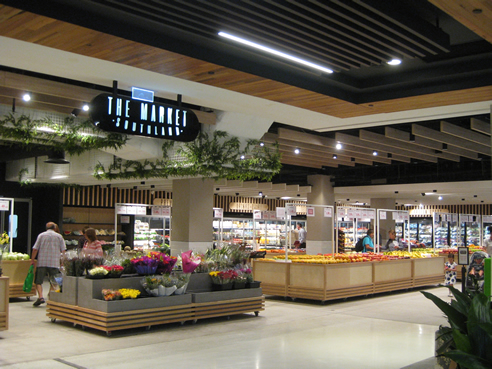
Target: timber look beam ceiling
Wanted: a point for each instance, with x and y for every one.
(406, 144)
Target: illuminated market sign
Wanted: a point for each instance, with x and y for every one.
(123, 115)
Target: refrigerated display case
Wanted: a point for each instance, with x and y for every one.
(486, 227)
(270, 233)
(235, 231)
(146, 226)
(470, 229)
(421, 231)
(442, 229)
(151, 232)
(354, 223)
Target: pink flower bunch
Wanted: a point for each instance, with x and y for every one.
(190, 262)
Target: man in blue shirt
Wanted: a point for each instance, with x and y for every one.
(367, 241)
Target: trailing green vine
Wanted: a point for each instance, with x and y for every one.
(72, 137)
(210, 157)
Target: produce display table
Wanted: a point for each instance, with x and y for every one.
(4, 303)
(334, 281)
(17, 270)
(81, 303)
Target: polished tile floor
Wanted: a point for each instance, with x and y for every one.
(394, 330)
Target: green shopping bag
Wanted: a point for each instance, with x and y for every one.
(29, 279)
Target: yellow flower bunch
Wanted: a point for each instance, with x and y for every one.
(214, 274)
(129, 293)
(4, 238)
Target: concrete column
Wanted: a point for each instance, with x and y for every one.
(319, 229)
(388, 223)
(192, 215)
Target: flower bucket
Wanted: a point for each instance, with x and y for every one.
(170, 290)
(154, 292)
(222, 287)
(181, 290)
(162, 290)
(239, 285)
(255, 284)
(145, 269)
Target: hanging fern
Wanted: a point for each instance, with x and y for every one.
(216, 157)
(68, 137)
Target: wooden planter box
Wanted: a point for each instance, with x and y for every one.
(90, 309)
(69, 291)
(4, 303)
(334, 281)
(17, 270)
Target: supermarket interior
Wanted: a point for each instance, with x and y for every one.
(231, 157)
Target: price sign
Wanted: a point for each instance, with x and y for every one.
(291, 210)
(280, 212)
(327, 212)
(166, 211)
(310, 211)
(382, 215)
(218, 213)
(121, 209)
(4, 205)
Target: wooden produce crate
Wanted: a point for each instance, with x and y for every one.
(4, 303)
(273, 275)
(428, 271)
(17, 270)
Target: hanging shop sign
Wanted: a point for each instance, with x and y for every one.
(247, 206)
(123, 115)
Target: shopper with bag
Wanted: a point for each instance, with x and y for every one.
(48, 249)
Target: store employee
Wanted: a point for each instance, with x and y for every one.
(301, 236)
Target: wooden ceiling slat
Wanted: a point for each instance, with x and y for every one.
(431, 134)
(464, 133)
(480, 126)
(437, 145)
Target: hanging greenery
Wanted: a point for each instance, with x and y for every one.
(210, 157)
(72, 137)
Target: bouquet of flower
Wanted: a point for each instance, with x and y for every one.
(145, 265)
(97, 272)
(150, 282)
(223, 277)
(110, 295)
(246, 274)
(128, 293)
(91, 261)
(242, 276)
(114, 271)
(189, 263)
(165, 263)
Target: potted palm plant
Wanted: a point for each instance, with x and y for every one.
(468, 339)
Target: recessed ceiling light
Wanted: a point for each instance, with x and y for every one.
(335, 156)
(26, 96)
(275, 52)
(242, 157)
(394, 62)
(85, 107)
(260, 193)
(375, 153)
(440, 198)
(262, 144)
(297, 151)
(338, 146)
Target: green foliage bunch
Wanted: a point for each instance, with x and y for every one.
(468, 339)
(72, 137)
(216, 157)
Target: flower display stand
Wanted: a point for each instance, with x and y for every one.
(17, 270)
(81, 303)
(4, 303)
(334, 281)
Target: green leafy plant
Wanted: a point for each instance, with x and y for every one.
(217, 157)
(71, 136)
(468, 339)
